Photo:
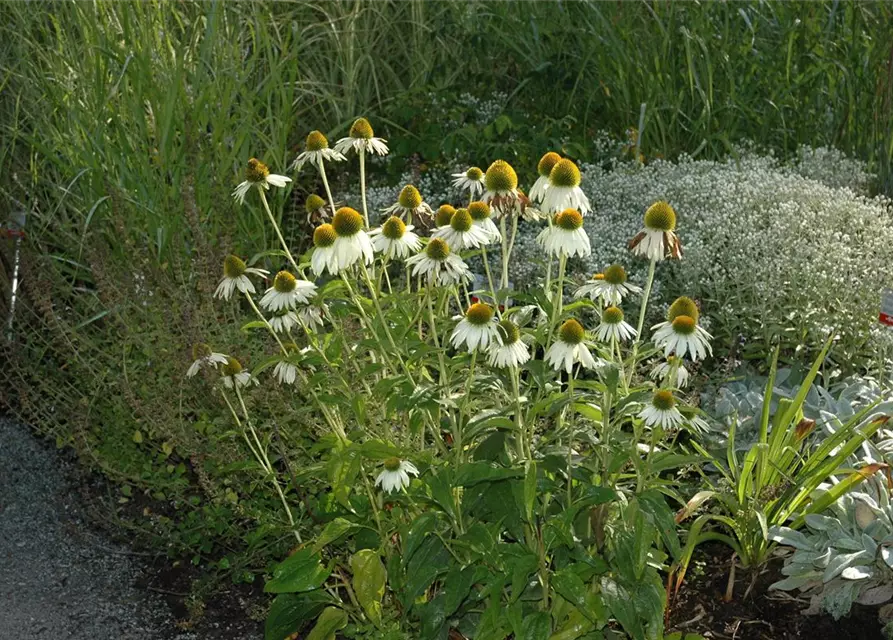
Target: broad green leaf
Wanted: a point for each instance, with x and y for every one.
(654, 504)
(536, 626)
(333, 532)
(369, 577)
(456, 586)
(330, 620)
(472, 473)
(378, 450)
(301, 571)
(570, 587)
(291, 611)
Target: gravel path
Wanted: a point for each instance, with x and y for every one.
(58, 578)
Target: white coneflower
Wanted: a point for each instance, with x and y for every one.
(410, 205)
(316, 208)
(565, 235)
(477, 329)
(443, 215)
(351, 242)
(257, 174)
(461, 233)
(480, 216)
(613, 327)
(312, 315)
(285, 372)
(284, 321)
(439, 264)
(662, 411)
(664, 370)
(235, 277)
(395, 475)
(543, 169)
(323, 257)
(234, 377)
(509, 350)
(362, 138)
(681, 334)
(564, 190)
(657, 240)
(570, 348)
(395, 239)
(287, 292)
(610, 287)
(471, 180)
(203, 356)
(317, 151)
(501, 183)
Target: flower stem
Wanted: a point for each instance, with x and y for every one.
(645, 295)
(325, 183)
(263, 199)
(490, 280)
(362, 154)
(266, 322)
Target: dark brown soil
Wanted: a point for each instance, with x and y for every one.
(763, 615)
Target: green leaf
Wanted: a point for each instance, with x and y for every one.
(254, 324)
(301, 571)
(291, 611)
(369, 577)
(654, 504)
(331, 620)
(529, 490)
(334, 531)
(570, 587)
(378, 450)
(537, 626)
(456, 586)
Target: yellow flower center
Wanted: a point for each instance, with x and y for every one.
(232, 367)
(544, 166)
(663, 400)
(479, 313)
(461, 220)
(598, 276)
(316, 141)
(314, 203)
(660, 217)
(684, 325)
(393, 228)
(569, 219)
(409, 198)
(612, 315)
(347, 222)
(324, 236)
(444, 213)
(256, 171)
(437, 249)
(200, 350)
(361, 129)
(233, 266)
(564, 174)
(392, 464)
(615, 274)
(474, 173)
(683, 306)
(500, 177)
(571, 332)
(509, 332)
(479, 210)
(284, 282)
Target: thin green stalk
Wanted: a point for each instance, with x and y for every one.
(645, 295)
(263, 199)
(490, 280)
(362, 154)
(325, 183)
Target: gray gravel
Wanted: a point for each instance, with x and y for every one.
(58, 577)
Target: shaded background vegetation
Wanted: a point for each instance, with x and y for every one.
(126, 126)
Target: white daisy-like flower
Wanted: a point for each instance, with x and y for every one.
(313, 315)
(362, 138)
(477, 329)
(287, 292)
(235, 277)
(352, 243)
(664, 370)
(543, 169)
(681, 334)
(284, 321)
(395, 239)
(657, 240)
(257, 174)
(564, 190)
(233, 377)
(501, 188)
(285, 372)
(317, 209)
(570, 348)
(471, 181)
(410, 206)
(509, 350)
(662, 411)
(443, 215)
(203, 356)
(461, 233)
(610, 287)
(440, 264)
(323, 257)
(480, 216)
(317, 151)
(614, 327)
(395, 475)
(565, 235)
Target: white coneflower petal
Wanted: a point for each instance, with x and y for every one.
(204, 357)
(477, 329)
(235, 277)
(682, 336)
(508, 350)
(351, 242)
(613, 327)
(233, 377)
(285, 372)
(663, 371)
(657, 240)
(287, 292)
(410, 205)
(461, 233)
(362, 138)
(395, 475)
(257, 174)
(662, 411)
(566, 235)
(610, 287)
(570, 348)
(439, 264)
(284, 322)
(563, 191)
(395, 239)
(471, 180)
